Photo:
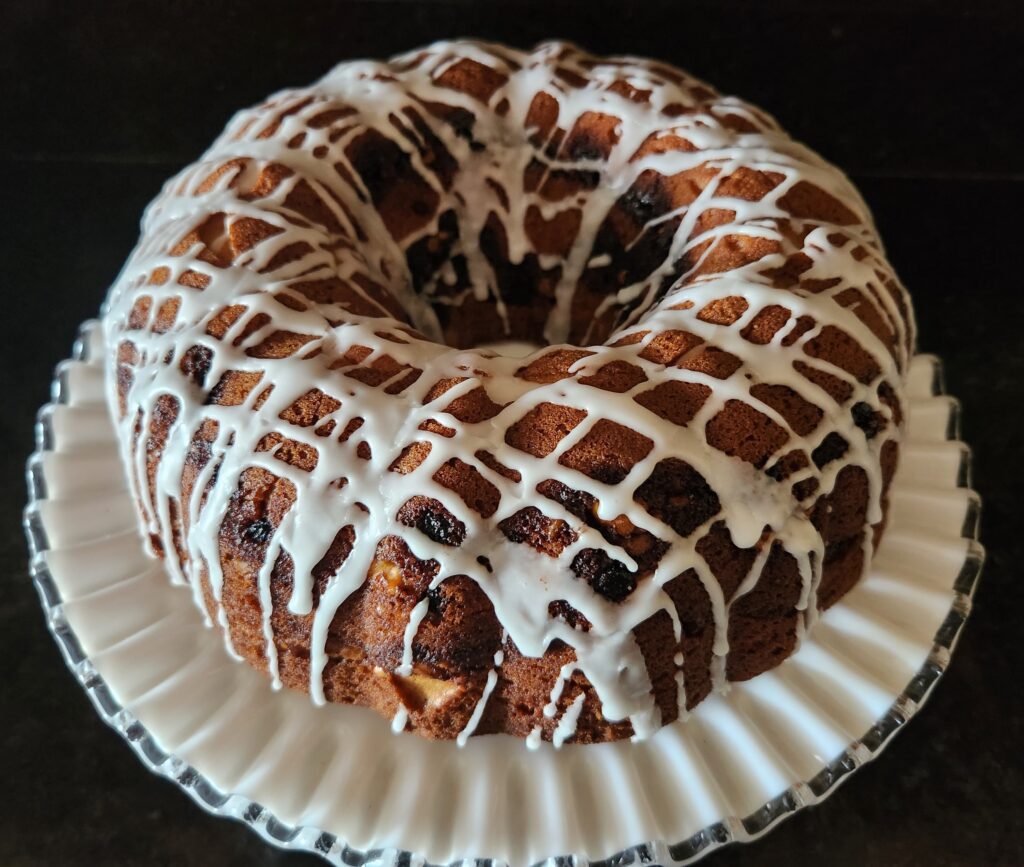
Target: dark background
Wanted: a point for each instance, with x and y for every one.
(919, 101)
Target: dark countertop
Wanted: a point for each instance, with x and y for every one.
(920, 103)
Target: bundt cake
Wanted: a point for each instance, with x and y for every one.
(503, 391)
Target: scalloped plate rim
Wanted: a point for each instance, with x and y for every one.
(731, 829)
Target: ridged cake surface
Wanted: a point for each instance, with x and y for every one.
(337, 439)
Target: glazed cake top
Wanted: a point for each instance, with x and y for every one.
(718, 335)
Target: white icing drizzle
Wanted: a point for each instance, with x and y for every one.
(534, 738)
(290, 131)
(551, 708)
(681, 708)
(400, 719)
(478, 710)
(566, 727)
(411, 628)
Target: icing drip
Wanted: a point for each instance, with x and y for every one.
(567, 724)
(551, 708)
(478, 711)
(400, 720)
(242, 297)
(534, 739)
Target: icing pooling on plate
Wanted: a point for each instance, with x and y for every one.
(281, 343)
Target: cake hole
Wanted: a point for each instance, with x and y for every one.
(511, 348)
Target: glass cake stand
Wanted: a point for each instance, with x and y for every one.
(335, 781)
